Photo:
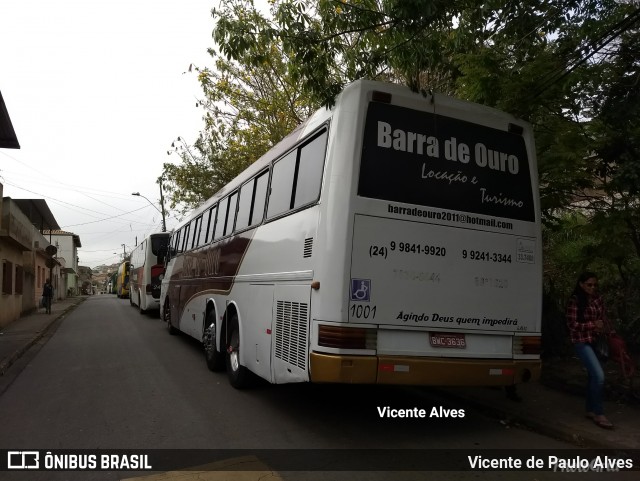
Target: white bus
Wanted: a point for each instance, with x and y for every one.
(146, 270)
(394, 239)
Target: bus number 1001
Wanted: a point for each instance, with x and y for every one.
(363, 312)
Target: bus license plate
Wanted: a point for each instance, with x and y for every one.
(439, 339)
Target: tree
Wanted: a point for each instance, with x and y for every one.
(423, 43)
(570, 68)
(249, 104)
(334, 42)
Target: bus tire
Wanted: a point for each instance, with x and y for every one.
(215, 359)
(167, 318)
(238, 374)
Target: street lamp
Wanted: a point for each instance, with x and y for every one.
(164, 224)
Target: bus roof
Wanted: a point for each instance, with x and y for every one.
(400, 94)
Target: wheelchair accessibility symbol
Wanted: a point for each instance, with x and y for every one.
(360, 290)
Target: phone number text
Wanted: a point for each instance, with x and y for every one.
(486, 256)
(406, 248)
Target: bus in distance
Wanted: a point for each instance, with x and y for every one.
(122, 281)
(392, 239)
(146, 270)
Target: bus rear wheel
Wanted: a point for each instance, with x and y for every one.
(238, 374)
(215, 359)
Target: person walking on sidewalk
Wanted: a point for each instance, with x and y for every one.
(587, 319)
(47, 294)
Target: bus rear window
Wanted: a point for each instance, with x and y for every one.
(416, 157)
(159, 245)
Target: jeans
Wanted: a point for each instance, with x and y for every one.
(595, 383)
(47, 304)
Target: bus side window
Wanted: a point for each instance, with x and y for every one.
(244, 205)
(206, 221)
(282, 185)
(222, 214)
(310, 171)
(196, 232)
(212, 223)
(176, 242)
(231, 216)
(185, 241)
(259, 198)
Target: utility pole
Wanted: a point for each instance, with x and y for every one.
(164, 224)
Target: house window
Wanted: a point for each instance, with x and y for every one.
(7, 277)
(19, 279)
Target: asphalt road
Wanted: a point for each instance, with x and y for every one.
(110, 378)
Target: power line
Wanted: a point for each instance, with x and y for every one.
(53, 198)
(21, 176)
(60, 183)
(79, 207)
(107, 218)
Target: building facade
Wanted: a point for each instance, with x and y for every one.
(67, 244)
(29, 256)
(27, 261)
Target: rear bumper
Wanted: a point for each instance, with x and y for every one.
(400, 370)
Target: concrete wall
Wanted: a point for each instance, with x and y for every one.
(16, 234)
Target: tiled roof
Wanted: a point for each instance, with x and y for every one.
(56, 232)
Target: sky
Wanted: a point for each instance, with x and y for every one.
(97, 91)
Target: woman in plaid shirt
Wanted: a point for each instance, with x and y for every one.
(586, 318)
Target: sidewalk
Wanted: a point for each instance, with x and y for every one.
(20, 335)
(554, 412)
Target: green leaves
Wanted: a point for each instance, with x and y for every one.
(251, 100)
(571, 68)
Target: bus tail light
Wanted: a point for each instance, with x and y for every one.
(527, 345)
(347, 337)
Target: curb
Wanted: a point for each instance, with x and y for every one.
(6, 363)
